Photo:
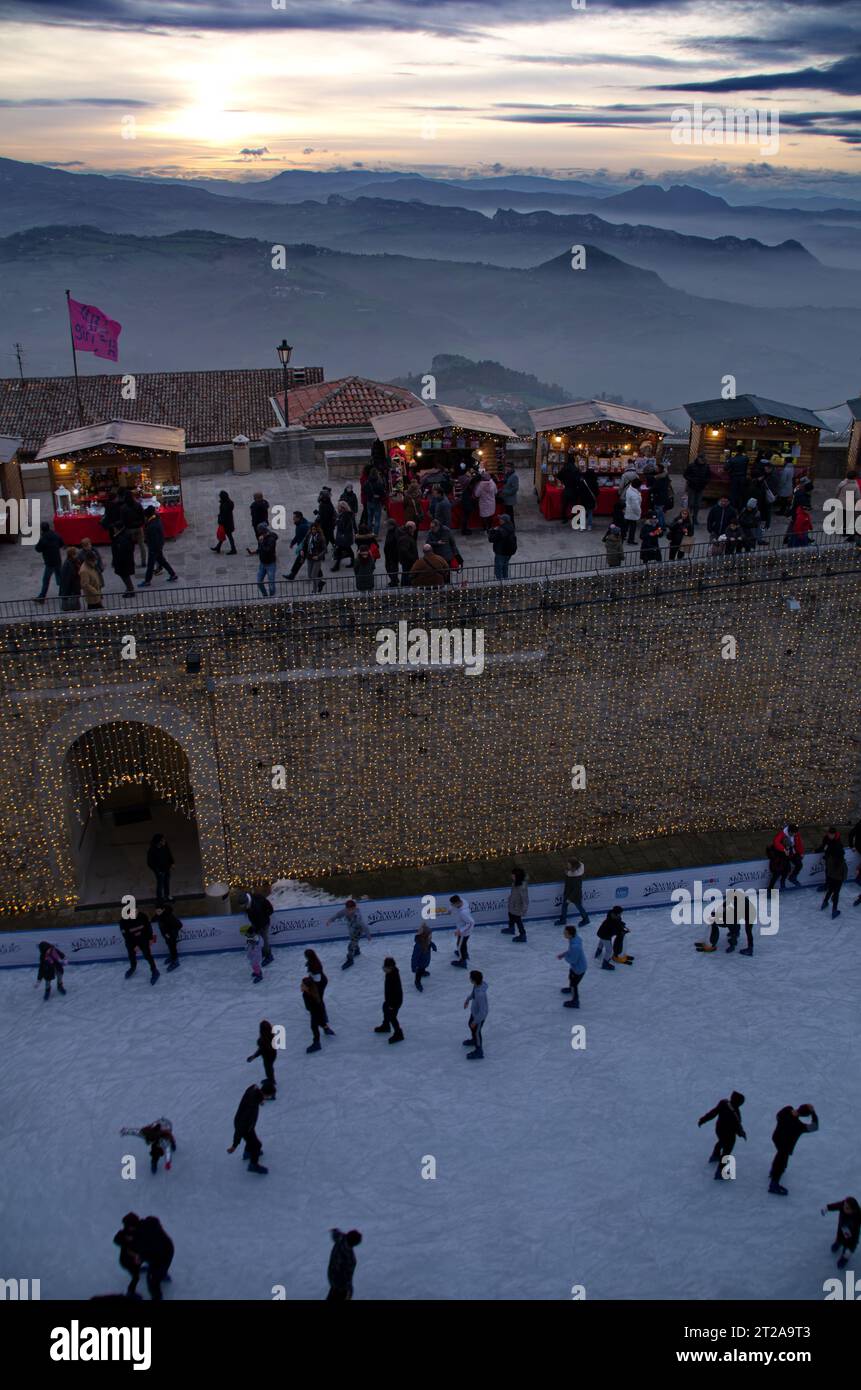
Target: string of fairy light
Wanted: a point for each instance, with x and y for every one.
(620, 672)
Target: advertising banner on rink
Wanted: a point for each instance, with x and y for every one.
(303, 925)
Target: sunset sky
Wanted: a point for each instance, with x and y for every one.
(244, 88)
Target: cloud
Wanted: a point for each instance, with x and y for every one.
(255, 154)
(124, 102)
(63, 164)
(843, 77)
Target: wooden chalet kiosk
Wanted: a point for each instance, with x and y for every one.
(780, 431)
(600, 434)
(853, 457)
(90, 464)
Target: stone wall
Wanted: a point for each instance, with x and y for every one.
(620, 673)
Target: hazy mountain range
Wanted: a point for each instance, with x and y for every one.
(376, 283)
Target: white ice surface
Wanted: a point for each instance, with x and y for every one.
(555, 1167)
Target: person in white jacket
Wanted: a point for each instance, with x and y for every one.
(464, 924)
(633, 512)
(476, 1002)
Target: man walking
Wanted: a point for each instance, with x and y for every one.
(49, 546)
(572, 892)
(155, 556)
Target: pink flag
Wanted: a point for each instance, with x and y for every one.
(93, 331)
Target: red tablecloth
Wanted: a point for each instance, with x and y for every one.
(395, 509)
(551, 502)
(73, 527)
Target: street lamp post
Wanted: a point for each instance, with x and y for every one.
(284, 351)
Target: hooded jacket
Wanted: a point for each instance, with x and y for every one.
(477, 999)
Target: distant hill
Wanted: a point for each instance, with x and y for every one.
(204, 299)
(487, 385)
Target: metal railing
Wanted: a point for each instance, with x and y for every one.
(206, 595)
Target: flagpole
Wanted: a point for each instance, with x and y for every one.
(75, 362)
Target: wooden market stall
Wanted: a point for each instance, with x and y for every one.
(599, 434)
(427, 440)
(853, 458)
(89, 466)
(755, 424)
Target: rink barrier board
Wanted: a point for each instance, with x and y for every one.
(307, 925)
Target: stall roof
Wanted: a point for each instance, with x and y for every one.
(428, 419)
(134, 434)
(747, 408)
(855, 407)
(9, 446)
(556, 417)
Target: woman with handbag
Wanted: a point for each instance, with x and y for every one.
(224, 529)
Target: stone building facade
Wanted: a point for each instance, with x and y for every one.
(296, 753)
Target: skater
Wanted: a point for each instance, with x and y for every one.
(576, 958)
(259, 910)
(459, 909)
(138, 936)
(518, 905)
(423, 944)
(848, 1228)
(253, 951)
(778, 860)
(266, 1052)
(611, 928)
(313, 1001)
(342, 1265)
(155, 1248)
(795, 851)
(158, 1136)
(355, 926)
(50, 967)
(476, 1002)
(130, 1260)
(244, 1122)
(314, 967)
(160, 860)
(790, 1126)
(572, 892)
(170, 927)
(739, 909)
(392, 1000)
(728, 1128)
(836, 869)
(620, 955)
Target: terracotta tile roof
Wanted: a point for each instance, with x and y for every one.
(212, 407)
(352, 400)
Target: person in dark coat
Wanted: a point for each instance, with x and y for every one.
(467, 498)
(50, 546)
(392, 1001)
(155, 556)
(408, 550)
(345, 532)
(313, 1001)
(572, 892)
(342, 1265)
(314, 967)
(738, 911)
(112, 515)
(678, 529)
(836, 869)
(51, 967)
(848, 1228)
(659, 486)
(130, 1260)
(155, 1248)
(70, 581)
(259, 910)
(266, 1051)
(364, 567)
(326, 514)
(159, 859)
(728, 1128)
(650, 536)
(423, 944)
(133, 520)
(170, 927)
(244, 1125)
(139, 936)
(301, 527)
(390, 553)
(736, 471)
(720, 516)
(259, 511)
(226, 522)
(790, 1126)
(123, 558)
(611, 926)
(696, 475)
(440, 507)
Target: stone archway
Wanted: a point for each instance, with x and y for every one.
(169, 725)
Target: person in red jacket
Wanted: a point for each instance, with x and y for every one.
(800, 527)
(795, 850)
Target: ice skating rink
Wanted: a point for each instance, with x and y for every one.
(555, 1167)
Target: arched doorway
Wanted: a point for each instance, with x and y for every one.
(126, 781)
